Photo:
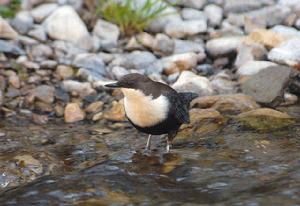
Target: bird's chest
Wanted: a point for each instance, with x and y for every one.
(145, 111)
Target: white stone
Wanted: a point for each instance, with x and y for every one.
(157, 25)
(179, 62)
(106, 31)
(214, 14)
(180, 29)
(189, 13)
(65, 24)
(286, 31)
(287, 53)
(190, 82)
(224, 45)
(253, 67)
(41, 12)
(185, 46)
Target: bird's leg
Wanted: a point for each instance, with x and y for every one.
(170, 137)
(169, 144)
(148, 145)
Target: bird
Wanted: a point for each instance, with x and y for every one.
(153, 107)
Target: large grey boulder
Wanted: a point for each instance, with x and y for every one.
(267, 86)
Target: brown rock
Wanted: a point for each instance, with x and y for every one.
(268, 38)
(6, 31)
(179, 62)
(64, 72)
(228, 104)
(14, 80)
(203, 122)
(116, 113)
(97, 116)
(43, 107)
(40, 119)
(59, 110)
(94, 107)
(265, 119)
(73, 113)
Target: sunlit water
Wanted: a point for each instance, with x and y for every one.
(98, 164)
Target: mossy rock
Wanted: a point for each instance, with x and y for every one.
(265, 119)
(203, 122)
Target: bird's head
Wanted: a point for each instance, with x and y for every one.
(130, 81)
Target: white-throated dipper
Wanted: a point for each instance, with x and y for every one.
(152, 107)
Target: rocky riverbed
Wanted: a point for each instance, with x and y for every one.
(60, 125)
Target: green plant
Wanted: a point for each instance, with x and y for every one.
(128, 16)
(9, 10)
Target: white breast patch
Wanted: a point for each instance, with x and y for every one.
(144, 111)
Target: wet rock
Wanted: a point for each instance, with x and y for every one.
(253, 67)
(267, 86)
(223, 46)
(189, 14)
(94, 107)
(10, 47)
(65, 24)
(41, 12)
(163, 44)
(23, 22)
(223, 84)
(38, 33)
(6, 31)
(44, 93)
(29, 162)
(40, 119)
(73, 113)
(186, 46)
(116, 113)
(226, 104)
(287, 53)
(214, 14)
(265, 119)
(179, 62)
(43, 107)
(190, 82)
(180, 29)
(64, 72)
(249, 52)
(267, 38)
(203, 122)
(106, 31)
(81, 88)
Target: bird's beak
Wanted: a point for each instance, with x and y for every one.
(113, 85)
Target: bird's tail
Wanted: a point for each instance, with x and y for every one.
(188, 96)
